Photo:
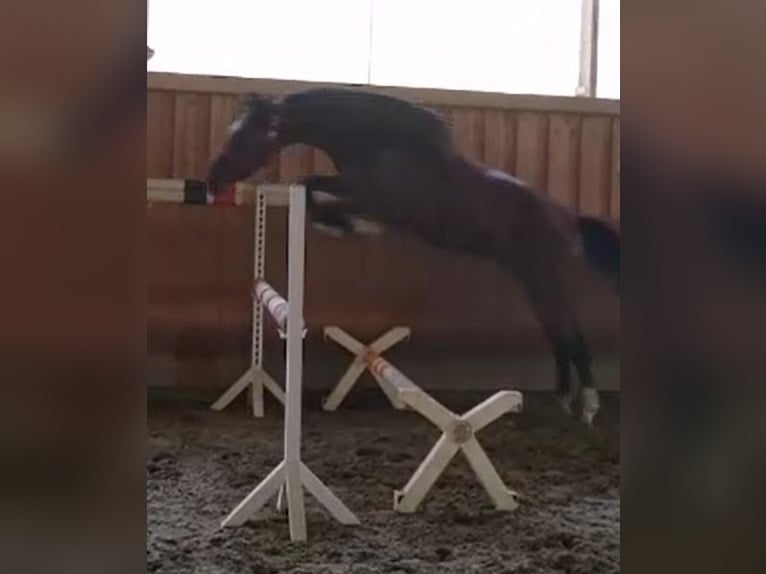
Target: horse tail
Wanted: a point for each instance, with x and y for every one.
(601, 244)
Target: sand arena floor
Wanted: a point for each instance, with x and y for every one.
(201, 464)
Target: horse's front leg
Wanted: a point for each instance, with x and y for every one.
(332, 185)
(336, 215)
(331, 218)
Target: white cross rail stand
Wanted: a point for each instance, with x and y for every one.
(458, 434)
(291, 472)
(359, 364)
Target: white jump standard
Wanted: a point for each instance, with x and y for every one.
(359, 364)
(291, 472)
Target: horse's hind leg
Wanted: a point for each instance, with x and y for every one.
(340, 217)
(558, 325)
(562, 358)
(569, 347)
(582, 360)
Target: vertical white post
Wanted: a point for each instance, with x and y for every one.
(259, 264)
(291, 473)
(294, 360)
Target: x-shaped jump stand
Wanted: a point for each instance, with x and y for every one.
(458, 431)
(458, 434)
(359, 365)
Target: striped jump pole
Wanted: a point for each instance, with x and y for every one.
(256, 378)
(276, 305)
(458, 431)
(198, 192)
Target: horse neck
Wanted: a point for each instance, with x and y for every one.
(337, 154)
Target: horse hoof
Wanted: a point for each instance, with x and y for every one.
(590, 405)
(588, 419)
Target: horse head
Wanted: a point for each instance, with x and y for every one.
(251, 142)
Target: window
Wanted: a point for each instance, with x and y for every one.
(513, 46)
(517, 46)
(608, 84)
(317, 40)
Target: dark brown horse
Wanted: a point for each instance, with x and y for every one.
(396, 164)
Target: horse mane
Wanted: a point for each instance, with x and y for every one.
(373, 114)
(259, 109)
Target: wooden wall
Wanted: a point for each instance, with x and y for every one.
(200, 258)
(566, 146)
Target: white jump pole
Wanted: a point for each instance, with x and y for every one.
(296, 253)
(291, 472)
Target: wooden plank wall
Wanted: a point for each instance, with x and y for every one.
(201, 258)
(571, 153)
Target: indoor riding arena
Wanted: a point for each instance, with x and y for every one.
(370, 401)
(456, 329)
